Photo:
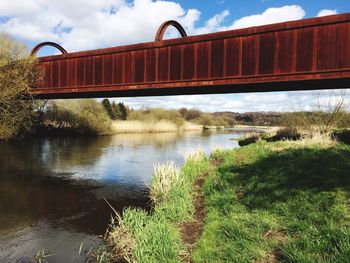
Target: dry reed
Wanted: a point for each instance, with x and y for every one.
(151, 126)
(165, 176)
(120, 240)
(194, 155)
(314, 139)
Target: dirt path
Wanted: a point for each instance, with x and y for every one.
(192, 230)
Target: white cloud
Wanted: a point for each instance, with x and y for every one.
(18, 7)
(272, 101)
(213, 24)
(86, 24)
(269, 16)
(326, 12)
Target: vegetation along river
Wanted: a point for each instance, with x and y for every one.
(52, 190)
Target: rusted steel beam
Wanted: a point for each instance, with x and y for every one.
(299, 55)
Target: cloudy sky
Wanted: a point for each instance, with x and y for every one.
(89, 24)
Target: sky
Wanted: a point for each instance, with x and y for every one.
(89, 24)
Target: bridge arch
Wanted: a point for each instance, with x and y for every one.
(163, 27)
(36, 49)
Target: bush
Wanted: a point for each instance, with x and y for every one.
(156, 114)
(207, 119)
(342, 136)
(330, 114)
(82, 116)
(253, 138)
(190, 114)
(18, 73)
(289, 133)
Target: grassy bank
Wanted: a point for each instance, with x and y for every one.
(278, 202)
(267, 202)
(157, 236)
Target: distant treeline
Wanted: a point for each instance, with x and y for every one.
(118, 111)
(301, 118)
(94, 117)
(90, 116)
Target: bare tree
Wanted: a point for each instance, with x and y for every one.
(328, 112)
(334, 105)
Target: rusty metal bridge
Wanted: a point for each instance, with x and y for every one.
(299, 55)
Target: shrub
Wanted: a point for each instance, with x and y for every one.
(83, 116)
(253, 138)
(18, 73)
(330, 113)
(157, 114)
(207, 119)
(193, 114)
(288, 133)
(342, 136)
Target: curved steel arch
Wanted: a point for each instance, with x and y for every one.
(52, 44)
(164, 27)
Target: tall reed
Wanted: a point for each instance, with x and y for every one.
(164, 178)
(137, 126)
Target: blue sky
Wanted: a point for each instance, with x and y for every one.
(89, 24)
(239, 9)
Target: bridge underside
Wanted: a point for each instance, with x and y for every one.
(193, 90)
(300, 55)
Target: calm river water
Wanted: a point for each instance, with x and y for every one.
(52, 190)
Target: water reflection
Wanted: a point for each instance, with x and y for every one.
(52, 190)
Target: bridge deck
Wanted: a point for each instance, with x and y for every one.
(305, 54)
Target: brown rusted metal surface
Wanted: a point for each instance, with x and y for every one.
(299, 55)
(52, 44)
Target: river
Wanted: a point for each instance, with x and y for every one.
(52, 189)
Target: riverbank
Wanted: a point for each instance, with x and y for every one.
(266, 202)
(162, 235)
(73, 175)
(138, 126)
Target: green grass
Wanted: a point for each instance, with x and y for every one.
(155, 237)
(266, 202)
(283, 201)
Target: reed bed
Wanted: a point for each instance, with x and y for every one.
(314, 140)
(136, 126)
(293, 137)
